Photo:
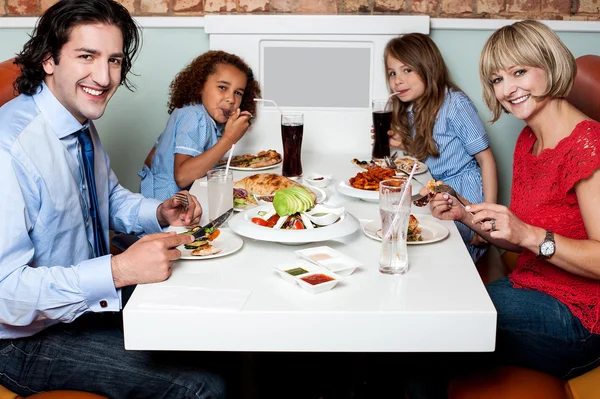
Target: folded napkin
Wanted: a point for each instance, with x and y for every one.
(197, 298)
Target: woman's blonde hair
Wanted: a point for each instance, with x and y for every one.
(420, 53)
(526, 43)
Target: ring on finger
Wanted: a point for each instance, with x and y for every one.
(493, 223)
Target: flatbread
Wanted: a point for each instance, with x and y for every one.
(260, 160)
(268, 184)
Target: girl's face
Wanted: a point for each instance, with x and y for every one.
(403, 79)
(514, 88)
(223, 91)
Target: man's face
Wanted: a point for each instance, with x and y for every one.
(88, 72)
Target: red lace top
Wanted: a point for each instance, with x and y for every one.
(543, 195)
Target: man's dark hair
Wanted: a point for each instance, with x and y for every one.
(53, 30)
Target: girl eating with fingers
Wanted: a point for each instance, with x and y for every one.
(211, 104)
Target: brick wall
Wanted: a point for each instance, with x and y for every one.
(517, 9)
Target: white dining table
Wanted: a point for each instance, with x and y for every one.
(239, 303)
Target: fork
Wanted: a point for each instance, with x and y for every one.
(444, 188)
(183, 199)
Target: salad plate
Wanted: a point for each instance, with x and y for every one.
(242, 224)
(320, 194)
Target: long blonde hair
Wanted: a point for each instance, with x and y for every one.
(526, 43)
(420, 53)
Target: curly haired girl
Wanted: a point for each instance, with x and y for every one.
(211, 104)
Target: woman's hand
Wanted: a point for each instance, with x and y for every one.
(174, 212)
(444, 206)
(500, 223)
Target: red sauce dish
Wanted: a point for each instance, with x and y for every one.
(316, 279)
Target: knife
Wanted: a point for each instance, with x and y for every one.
(210, 227)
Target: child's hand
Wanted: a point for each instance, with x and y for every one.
(395, 140)
(237, 125)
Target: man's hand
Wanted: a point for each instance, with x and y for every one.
(174, 212)
(149, 260)
(237, 125)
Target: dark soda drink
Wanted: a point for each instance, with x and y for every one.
(291, 135)
(382, 122)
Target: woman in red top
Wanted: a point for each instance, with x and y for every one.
(549, 307)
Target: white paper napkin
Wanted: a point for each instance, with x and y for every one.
(197, 298)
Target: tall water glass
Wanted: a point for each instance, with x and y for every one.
(382, 122)
(220, 192)
(394, 208)
(292, 130)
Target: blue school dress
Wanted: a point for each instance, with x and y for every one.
(190, 131)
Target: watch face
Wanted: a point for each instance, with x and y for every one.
(547, 248)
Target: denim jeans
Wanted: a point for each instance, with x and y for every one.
(534, 330)
(89, 355)
(537, 331)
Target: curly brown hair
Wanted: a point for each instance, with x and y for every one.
(186, 88)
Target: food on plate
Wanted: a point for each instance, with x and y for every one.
(203, 247)
(414, 231)
(370, 179)
(432, 185)
(260, 160)
(242, 199)
(268, 184)
(406, 164)
(292, 200)
(364, 164)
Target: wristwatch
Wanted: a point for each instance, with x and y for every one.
(548, 246)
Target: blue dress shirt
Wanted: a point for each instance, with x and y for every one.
(47, 271)
(189, 131)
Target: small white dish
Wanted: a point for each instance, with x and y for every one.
(317, 287)
(330, 259)
(291, 271)
(318, 180)
(322, 215)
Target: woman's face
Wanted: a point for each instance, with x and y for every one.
(516, 87)
(403, 79)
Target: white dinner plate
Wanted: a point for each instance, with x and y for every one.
(227, 241)
(421, 166)
(242, 225)
(369, 195)
(431, 231)
(320, 194)
(252, 169)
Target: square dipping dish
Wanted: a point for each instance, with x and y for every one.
(330, 259)
(319, 281)
(291, 271)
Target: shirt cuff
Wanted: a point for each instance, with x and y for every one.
(478, 145)
(147, 216)
(98, 286)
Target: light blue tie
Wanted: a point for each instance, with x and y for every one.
(87, 154)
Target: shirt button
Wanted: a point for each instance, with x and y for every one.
(84, 186)
(103, 304)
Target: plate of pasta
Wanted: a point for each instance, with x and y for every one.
(346, 188)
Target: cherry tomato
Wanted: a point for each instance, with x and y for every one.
(297, 225)
(214, 235)
(272, 220)
(260, 222)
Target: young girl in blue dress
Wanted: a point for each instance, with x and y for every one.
(434, 121)
(211, 103)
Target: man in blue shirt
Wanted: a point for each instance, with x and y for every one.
(53, 290)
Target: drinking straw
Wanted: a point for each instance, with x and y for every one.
(395, 219)
(390, 99)
(262, 100)
(229, 159)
